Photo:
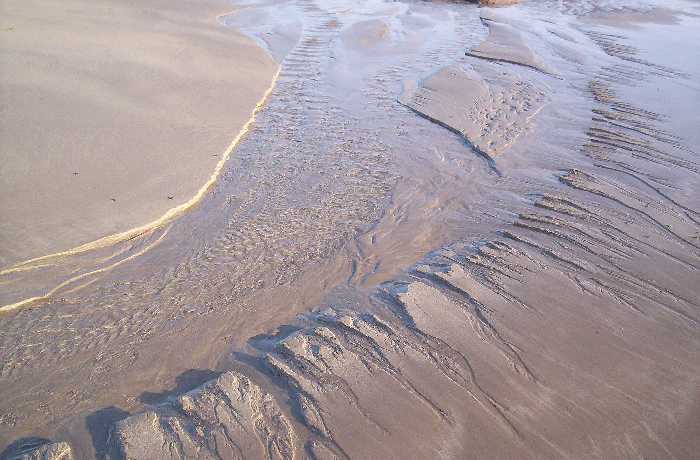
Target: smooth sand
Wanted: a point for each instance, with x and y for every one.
(113, 112)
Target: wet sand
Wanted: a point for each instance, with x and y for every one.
(113, 113)
(417, 251)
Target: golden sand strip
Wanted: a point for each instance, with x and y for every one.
(53, 291)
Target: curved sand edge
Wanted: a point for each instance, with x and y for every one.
(163, 220)
(116, 126)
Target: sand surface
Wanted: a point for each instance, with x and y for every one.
(112, 113)
(418, 251)
(490, 114)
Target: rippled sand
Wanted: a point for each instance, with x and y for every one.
(452, 232)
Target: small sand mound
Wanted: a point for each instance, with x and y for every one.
(490, 115)
(505, 44)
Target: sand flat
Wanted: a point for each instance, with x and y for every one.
(111, 113)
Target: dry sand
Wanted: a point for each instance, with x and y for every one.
(113, 112)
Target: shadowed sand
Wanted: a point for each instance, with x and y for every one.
(112, 114)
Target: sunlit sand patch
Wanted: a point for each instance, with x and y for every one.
(107, 129)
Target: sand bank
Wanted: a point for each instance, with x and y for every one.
(113, 113)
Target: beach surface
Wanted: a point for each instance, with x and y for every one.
(113, 112)
(450, 231)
